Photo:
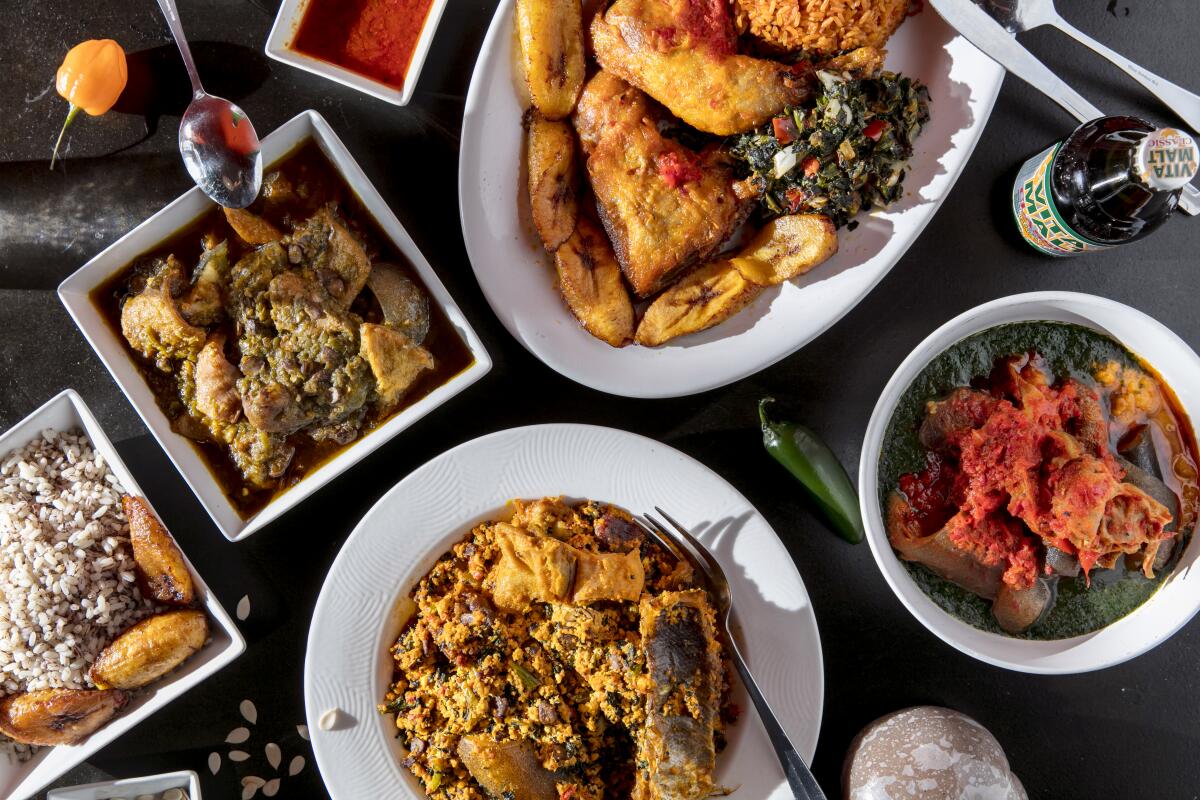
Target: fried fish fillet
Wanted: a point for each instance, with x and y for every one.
(676, 749)
(683, 53)
(665, 207)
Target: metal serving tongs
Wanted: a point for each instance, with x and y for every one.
(992, 38)
(686, 547)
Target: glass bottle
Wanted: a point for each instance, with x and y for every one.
(1112, 181)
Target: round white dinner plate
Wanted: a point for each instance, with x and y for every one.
(347, 666)
(517, 275)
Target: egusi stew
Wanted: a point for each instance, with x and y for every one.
(273, 337)
(1039, 480)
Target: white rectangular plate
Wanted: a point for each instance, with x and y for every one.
(65, 412)
(114, 352)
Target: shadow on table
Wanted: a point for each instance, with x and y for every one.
(159, 85)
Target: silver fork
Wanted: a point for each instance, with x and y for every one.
(686, 547)
(1024, 15)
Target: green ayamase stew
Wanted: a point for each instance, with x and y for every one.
(1039, 480)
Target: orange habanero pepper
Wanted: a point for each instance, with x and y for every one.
(91, 77)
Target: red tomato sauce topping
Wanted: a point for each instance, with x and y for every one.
(699, 23)
(375, 38)
(1027, 465)
(677, 169)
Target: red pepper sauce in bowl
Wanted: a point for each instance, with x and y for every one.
(375, 38)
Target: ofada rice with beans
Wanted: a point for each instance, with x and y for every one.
(820, 27)
(67, 577)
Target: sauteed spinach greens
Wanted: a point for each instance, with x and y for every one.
(845, 153)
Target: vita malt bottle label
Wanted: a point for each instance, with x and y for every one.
(1038, 218)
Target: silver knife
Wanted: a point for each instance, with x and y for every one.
(990, 36)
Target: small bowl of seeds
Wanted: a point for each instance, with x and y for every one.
(183, 785)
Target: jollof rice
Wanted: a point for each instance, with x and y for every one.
(820, 27)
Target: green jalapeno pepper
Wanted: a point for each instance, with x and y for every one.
(816, 467)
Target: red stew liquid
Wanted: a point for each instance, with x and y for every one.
(375, 38)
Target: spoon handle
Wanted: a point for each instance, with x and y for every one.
(172, 14)
(1184, 103)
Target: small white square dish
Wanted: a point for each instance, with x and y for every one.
(19, 779)
(281, 47)
(131, 788)
(76, 294)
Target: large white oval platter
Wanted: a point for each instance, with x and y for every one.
(347, 666)
(517, 276)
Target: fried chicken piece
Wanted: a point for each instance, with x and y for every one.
(683, 53)
(665, 207)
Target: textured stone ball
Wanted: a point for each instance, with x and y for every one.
(928, 753)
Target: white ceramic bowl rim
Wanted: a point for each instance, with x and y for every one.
(1156, 620)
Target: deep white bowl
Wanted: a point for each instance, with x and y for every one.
(130, 788)
(1158, 618)
(64, 412)
(114, 352)
(287, 24)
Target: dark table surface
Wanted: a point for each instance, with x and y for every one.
(1128, 731)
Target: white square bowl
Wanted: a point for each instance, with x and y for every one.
(114, 352)
(17, 780)
(130, 788)
(287, 24)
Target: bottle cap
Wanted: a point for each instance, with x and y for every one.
(1167, 159)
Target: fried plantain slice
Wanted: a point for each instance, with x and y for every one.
(551, 36)
(252, 228)
(553, 179)
(162, 572)
(711, 294)
(507, 769)
(787, 247)
(58, 716)
(591, 283)
(149, 650)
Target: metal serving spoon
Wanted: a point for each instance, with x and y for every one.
(1024, 15)
(218, 143)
